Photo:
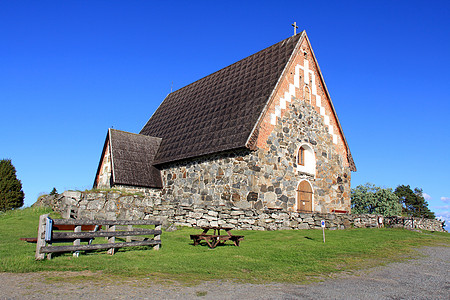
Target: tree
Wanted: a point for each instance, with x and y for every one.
(53, 192)
(11, 194)
(413, 202)
(371, 199)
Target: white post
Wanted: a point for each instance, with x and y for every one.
(129, 228)
(157, 237)
(323, 229)
(41, 237)
(77, 242)
(111, 239)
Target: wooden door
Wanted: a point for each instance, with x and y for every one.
(304, 197)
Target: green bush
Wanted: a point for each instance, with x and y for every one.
(11, 194)
(371, 199)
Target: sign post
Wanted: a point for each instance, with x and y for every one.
(322, 223)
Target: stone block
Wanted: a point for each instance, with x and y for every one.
(202, 223)
(243, 204)
(72, 194)
(95, 205)
(236, 213)
(270, 197)
(213, 213)
(293, 224)
(303, 226)
(210, 218)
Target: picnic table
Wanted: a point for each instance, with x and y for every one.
(216, 238)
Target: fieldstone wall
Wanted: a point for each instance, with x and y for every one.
(114, 205)
(265, 178)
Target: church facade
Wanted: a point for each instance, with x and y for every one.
(260, 133)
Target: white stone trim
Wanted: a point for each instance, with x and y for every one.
(291, 90)
(313, 91)
(334, 138)
(297, 76)
(273, 119)
(314, 87)
(287, 97)
(306, 71)
(282, 103)
(277, 111)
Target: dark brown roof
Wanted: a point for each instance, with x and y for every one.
(219, 111)
(132, 158)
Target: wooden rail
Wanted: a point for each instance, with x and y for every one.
(47, 235)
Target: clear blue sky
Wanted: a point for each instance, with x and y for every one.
(71, 69)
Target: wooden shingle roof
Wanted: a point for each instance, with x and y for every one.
(132, 158)
(218, 112)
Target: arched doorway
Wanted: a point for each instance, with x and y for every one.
(304, 197)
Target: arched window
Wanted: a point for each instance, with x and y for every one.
(307, 94)
(306, 159)
(301, 156)
(305, 194)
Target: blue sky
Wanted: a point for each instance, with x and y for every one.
(71, 69)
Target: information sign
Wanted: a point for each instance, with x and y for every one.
(322, 223)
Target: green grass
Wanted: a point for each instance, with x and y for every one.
(264, 256)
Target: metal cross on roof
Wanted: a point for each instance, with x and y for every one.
(295, 27)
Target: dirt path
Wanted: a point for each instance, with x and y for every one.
(427, 277)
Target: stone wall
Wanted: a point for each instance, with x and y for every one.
(266, 178)
(121, 205)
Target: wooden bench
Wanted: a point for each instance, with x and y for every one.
(47, 235)
(92, 228)
(339, 211)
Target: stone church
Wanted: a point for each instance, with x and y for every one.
(260, 133)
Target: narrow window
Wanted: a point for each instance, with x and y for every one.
(301, 156)
(307, 93)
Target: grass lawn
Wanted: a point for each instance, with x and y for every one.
(264, 256)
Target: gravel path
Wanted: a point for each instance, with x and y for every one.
(427, 277)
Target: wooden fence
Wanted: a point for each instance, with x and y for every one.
(48, 234)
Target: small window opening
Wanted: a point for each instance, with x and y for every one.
(307, 93)
(301, 156)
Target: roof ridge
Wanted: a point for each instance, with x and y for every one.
(143, 135)
(239, 61)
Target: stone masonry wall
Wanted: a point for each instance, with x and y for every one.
(265, 178)
(115, 205)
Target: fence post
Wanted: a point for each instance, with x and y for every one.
(129, 228)
(111, 239)
(106, 229)
(41, 237)
(77, 242)
(157, 237)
